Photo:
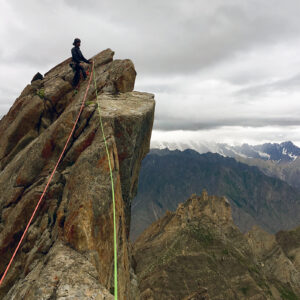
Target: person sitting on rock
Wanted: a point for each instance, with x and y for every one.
(77, 58)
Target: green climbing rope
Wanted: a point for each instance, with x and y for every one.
(112, 192)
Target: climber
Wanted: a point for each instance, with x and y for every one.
(76, 65)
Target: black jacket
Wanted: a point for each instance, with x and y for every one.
(77, 56)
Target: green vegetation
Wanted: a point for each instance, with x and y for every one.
(201, 234)
(288, 294)
(264, 285)
(41, 93)
(90, 103)
(225, 252)
(245, 290)
(253, 269)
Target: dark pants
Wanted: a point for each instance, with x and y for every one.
(78, 68)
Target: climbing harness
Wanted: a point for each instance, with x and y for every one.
(112, 189)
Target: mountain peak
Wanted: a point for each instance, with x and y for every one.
(68, 251)
(284, 152)
(288, 143)
(197, 253)
(217, 209)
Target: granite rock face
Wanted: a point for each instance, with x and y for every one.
(68, 251)
(198, 253)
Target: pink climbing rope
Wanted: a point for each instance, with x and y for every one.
(50, 178)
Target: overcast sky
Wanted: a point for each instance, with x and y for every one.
(221, 70)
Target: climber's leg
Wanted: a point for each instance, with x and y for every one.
(83, 71)
(76, 76)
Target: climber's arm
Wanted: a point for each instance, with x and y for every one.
(82, 58)
(85, 60)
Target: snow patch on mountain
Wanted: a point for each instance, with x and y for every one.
(283, 152)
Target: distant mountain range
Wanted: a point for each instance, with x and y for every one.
(280, 153)
(168, 177)
(276, 160)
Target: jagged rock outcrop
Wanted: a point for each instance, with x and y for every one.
(198, 253)
(37, 76)
(68, 252)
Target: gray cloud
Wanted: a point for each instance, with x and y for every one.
(161, 36)
(172, 36)
(210, 63)
(284, 85)
(195, 125)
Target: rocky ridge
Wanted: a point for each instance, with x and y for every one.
(198, 253)
(280, 160)
(68, 252)
(169, 177)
